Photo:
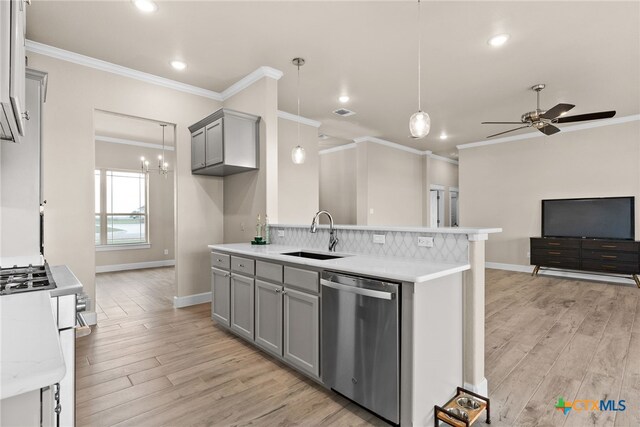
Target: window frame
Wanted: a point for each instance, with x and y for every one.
(104, 244)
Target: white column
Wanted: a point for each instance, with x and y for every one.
(473, 294)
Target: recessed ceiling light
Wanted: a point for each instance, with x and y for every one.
(344, 98)
(178, 65)
(146, 6)
(443, 136)
(498, 40)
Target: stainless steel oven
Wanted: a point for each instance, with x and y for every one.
(361, 341)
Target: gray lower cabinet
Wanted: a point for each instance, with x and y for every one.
(302, 330)
(242, 289)
(221, 296)
(269, 316)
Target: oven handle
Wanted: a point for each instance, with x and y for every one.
(360, 291)
(83, 329)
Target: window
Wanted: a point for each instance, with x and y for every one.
(121, 213)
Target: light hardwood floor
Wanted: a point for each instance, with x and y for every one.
(148, 364)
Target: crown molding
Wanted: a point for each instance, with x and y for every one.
(338, 148)
(123, 141)
(565, 129)
(390, 144)
(250, 79)
(299, 119)
(444, 159)
(101, 65)
(98, 64)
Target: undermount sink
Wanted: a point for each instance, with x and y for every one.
(313, 255)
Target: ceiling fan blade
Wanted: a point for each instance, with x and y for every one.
(556, 111)
(549, 130)
(501, 133)
(585, 117)
(501, 123)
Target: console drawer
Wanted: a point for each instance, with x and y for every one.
(610, 267)
(610, 245)
(220, 260)
(629, 257)
(242, 265)
(556, 262)
(551, 253)
(555, 243)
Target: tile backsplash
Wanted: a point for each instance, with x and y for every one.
(447, 247)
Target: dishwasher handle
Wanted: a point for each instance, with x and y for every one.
(359, 291)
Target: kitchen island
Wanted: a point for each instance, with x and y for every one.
(433, 317)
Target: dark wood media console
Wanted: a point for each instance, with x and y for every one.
(603, 256)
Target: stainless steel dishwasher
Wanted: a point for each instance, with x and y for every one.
(361, 341)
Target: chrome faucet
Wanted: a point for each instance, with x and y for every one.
(333, 234)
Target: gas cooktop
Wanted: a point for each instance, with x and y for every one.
(16, 279)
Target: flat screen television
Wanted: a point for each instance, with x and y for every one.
(593, 218)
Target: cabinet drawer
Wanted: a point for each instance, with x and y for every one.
(611, 256)
(269, 271)
(303, 279)
(610, 266)
(556, 262)
(551, 253)
(242, 265)
(220, 260)
(609, 245)
(555, 243)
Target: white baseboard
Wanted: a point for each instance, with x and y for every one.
(482, 388)
(179, 302)
(135, 266)
(90, 317)
(572, 274)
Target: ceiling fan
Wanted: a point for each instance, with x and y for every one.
(544, 120)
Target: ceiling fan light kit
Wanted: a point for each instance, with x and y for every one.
(544, 120)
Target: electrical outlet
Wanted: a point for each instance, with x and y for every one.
(371, 211)
(166, 251)
(280, 233)
(528, 254)
(242, 226)
(379, 238)
(426, 242)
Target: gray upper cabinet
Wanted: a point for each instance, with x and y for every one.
(269, 316)
(221, 296)
(224, 143)
(242, 289)
(301, 330)
(12, 70)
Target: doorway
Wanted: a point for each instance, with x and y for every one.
(436, 203)
(453, 207)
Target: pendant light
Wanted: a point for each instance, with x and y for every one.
(298, 154)
(420, 122)
(163, 166)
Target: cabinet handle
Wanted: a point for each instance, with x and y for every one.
(29, 3)
(58, 409)
(609, 246)
(284, 292)
(555, 253)
(25, 115)
(278, 291)
(609, 256)
(241, 265)
(227, 275)
(219, 260)
(610, 267)
(553, 244)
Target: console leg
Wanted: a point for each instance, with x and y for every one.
(635, 277)
(537, 268)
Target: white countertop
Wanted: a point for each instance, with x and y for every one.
(439, 230)
(416, 271)
(30, 352)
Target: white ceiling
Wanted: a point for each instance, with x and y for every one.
(588, 54)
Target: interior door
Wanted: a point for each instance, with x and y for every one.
(435, 208)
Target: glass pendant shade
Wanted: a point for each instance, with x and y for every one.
(298, 155)
(420, 124)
